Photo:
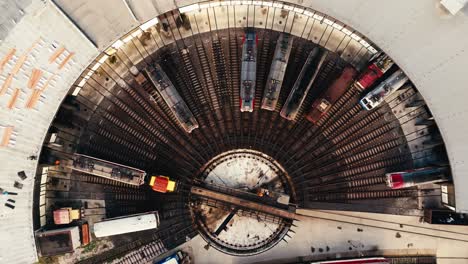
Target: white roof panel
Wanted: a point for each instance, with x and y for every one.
(124, 225)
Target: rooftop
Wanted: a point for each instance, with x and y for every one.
(53, 48)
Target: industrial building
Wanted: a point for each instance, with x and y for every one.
(182, 131)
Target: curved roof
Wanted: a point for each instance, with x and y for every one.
(429, 45)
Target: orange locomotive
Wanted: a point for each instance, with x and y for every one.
(162, 184)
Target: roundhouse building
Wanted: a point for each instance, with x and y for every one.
(154, 90)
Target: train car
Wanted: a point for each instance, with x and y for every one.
(248, 72)
(377, 260)
(373, 72)
(162, 184)
(303, 83)
(444, 217)
(383, 90)
(169, 93)
(277, 71)
(107, 169)
(409, 178)
(126, 224)
(85, 238)
(322, 104)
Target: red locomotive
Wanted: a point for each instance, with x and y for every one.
(374, 71)
(322, 104)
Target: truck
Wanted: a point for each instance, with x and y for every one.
(64, 216)
(162, 184)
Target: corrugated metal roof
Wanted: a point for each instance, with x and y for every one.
(17, 243)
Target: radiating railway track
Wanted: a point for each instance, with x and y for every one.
(339, 144)
(365, 195)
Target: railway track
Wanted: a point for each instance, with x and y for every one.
(143, 254)
(364, 195)
(234, 70)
